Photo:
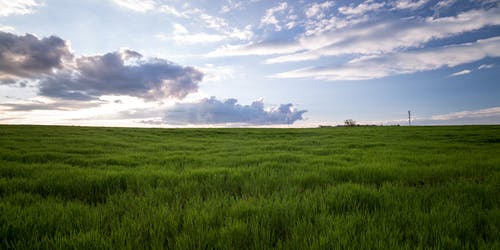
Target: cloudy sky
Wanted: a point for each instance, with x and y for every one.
(249, 63)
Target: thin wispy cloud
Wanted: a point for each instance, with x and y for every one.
(465, 117)
(486, 66)
(462, 72)
(218, 73)
(64, 105)
(18, 7)
(171, 11)
(181, 35)
(270, 19)
(136, 5)
(374, 38)
(444, 4)
(232, 5)
(7, 28)
(469, 114)
(371, 67)
(197, 16)
(409, 4)
(317, 10)
(362, 8)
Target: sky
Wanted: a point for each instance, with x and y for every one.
(217, 63)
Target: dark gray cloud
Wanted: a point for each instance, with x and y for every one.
(213, 111)
(122, 73)
(29, 57)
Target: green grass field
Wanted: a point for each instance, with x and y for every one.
(331, 188)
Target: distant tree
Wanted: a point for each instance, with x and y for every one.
(350, 123)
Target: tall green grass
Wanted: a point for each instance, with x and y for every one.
(349, 188)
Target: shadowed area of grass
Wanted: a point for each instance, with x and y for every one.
(357, 188)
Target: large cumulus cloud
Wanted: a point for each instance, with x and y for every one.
(30, 57)
(213, 111)
(62, 75)
(122, 73)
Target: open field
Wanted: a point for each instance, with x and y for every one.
(358, 188)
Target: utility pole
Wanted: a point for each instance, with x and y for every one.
(409, 118)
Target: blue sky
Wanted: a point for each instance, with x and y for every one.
(249, 63)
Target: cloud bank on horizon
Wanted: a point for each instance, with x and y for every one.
(241, 50)
(213, 111)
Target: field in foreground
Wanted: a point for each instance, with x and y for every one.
(358, 188)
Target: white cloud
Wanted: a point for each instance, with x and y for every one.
(319, 27)
(171, 11)
(468, 114)
(151, 5)
(17, 7)
(409, 4)
(136, 5)
(463, 72)
(270, 19)
(180, 29)
(161, 36)
(253, 49)
(7, 28)
(316, 10)
(197, 17)
(213, 22)
(241, 34)
(478, 116)
(444, 4)
(362, 8)
(374, 38)
(197, 38)
(371, 67)
(291, 25)
(231, 5)
(220, 25)
(486, 66)
(182, 36)
(223, 31)
(367, 39)
(214, 73)
(292, 17)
